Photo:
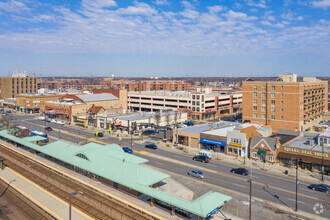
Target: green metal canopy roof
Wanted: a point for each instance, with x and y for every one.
(111, 162)
(262, 152)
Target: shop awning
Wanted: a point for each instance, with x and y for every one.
(262, 152)
(303, 158)
(214, 142)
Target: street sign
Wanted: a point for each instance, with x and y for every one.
(213, 211)
(120, 138)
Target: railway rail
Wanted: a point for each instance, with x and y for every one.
(22, 204)
(92, 202)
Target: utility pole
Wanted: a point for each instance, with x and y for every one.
(250, 203)
(322, 168)
(131, 141)
(297, 184)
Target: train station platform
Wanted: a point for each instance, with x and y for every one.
(53, 205)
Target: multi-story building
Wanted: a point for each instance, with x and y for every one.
(285, 103)
(201, 104)
(147, 85)
(18, 84)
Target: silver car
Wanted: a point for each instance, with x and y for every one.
(196, 173)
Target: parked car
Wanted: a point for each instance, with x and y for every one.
(201, 158)
(196, 173)
(189, 123)
(149, 132)
(99, 134)
(48, 119)
(9, 111)
(48, 129)
(151, 146)
(205, 153)
(59, 122)
(127, 150)
(319, 187)
(41, 118)
(169, 128)
(53, 121)
(241, 171)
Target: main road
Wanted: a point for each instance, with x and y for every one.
(265, 186)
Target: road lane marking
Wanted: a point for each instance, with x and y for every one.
(295, 200)
(239, 185)
(143, 152)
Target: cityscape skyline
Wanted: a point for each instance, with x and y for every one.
(165, 38)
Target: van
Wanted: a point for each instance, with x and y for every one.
(205, 153)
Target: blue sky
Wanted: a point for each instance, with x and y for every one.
(165, 37)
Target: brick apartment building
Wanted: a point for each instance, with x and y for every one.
(285, 103)
(17, 84)
(147, 85)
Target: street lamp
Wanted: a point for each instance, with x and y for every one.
(71, 194)
(322, 168)
(297, 183)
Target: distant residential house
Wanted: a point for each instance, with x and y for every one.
(264, 148)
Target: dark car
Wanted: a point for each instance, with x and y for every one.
(127, 150)
(100, 134)
(319, 187)
(48, 129)
(241, 171)
(149, 132)
(169, 128)
(151, 146)
(201, 158)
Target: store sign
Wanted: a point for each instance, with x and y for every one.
(235, 144)
(214, 142)
(305, 152)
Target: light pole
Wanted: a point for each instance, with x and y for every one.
(250, 203)
(322, 168)
(71, 194)
(297, 183)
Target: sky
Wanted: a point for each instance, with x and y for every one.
(165, 38)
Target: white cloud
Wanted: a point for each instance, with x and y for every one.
(161, 2)
(216, 8)
(321, 4)
(260, 4)
(138, 9)
(191, 14)
(99, 3)
(13, 6)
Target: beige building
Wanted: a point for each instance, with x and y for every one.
(285, 103)
(18, 84)
(201, 104)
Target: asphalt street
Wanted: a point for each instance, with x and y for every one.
(265, 186)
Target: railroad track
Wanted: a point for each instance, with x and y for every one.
(91, 202)
(22, 204)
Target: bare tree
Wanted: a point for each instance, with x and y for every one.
(168, 118)
(176, 116)
(6, 120)
(157, 118)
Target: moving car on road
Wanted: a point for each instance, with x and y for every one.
(99, 134)
(127, 150)
(48, 129)
(189, 123)
(149, 132)
(201, 158)
(41, 118)
(241, 171)
(151, 146)
(53, 121)
(59, 122)
(196, 173)
(319, 187)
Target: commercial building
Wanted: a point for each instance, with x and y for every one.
(70, 106)
(121, 94)
(200, 105)
(311, 150)
(285, 103)
(18, 84)
(147, 85)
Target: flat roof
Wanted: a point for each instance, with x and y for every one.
(325, 133)
(222, 131)
(206, 127)
(137, 116)
(111, 162)
(97, 97)
(302, 142)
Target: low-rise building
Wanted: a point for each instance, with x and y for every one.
(264, 148)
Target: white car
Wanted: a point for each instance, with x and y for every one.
(53, 121)
(41, 118)
(60, 122)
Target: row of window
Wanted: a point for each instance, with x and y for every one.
(263, 87)
(272, 95)
(263, 101)
(236, 140)
(263, 116)
(268, 157)
(263, 109)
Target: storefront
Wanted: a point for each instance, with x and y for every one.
(215, 145)
(308, 159)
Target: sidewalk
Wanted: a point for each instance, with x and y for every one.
(55, 206)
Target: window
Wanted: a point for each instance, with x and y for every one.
(270, 158)
(263, 94)
(282, 102)
(273, 88)
(82, 156)
(272, 117)
(254, 101)
(254, 115)
(281, 109)
(255, 108)
(254, 94)
(281, 87)
(272, 102)
(281, 94)
(255, 87)
(281, 116)
(272, 109)
(264, 101)
(254, 155)
(272, 95)
(263, 87)
(263, 109)
(263, 116)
